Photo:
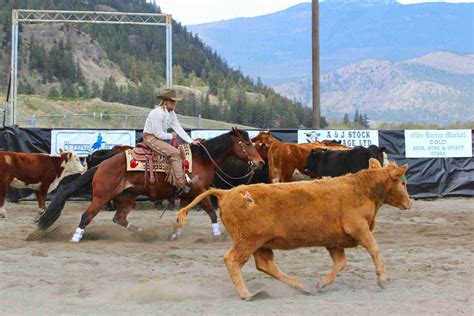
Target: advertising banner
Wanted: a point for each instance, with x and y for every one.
(350, 138)
(84, 142)
(438, 143)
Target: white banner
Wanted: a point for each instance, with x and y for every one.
(208, 134)
(438, 143)
(350, 138)
(84, 142)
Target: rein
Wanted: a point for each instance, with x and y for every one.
(249, 174)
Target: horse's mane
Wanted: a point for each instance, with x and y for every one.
(215, 146)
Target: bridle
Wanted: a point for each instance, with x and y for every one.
(251, 164)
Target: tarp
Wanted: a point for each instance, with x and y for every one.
(427, 177)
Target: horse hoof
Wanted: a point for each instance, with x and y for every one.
(173, 236)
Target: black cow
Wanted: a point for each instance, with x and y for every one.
(340, 162)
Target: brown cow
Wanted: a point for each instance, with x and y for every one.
(335, 213)
(40, 172)
(284, 159)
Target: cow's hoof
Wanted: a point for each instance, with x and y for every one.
(321, 285)
(305, 292)
(382, 282)
(3, 213)
(261, 295)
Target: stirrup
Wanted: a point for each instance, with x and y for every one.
(189, 180)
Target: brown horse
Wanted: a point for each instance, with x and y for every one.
(113, 181)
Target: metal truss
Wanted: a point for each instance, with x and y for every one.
(90, 17)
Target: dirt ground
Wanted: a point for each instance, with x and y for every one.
(427, 251)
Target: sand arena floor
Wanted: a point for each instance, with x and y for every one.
(427, 251)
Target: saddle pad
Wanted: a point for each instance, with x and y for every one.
(163, 164)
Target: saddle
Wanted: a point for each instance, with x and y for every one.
(143, 158)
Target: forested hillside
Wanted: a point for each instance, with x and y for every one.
(126, 64)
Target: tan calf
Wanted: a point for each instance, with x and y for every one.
(284, 159)
(335, 213)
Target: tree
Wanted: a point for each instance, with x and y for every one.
(345, 120)
(53, 93)
(356, 117)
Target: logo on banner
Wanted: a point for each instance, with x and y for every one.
(98, 143)
(84, 142)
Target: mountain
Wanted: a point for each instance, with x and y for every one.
(435, 88)
(277, 47)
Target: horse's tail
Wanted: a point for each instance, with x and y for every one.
(183, 213)
(53, 211)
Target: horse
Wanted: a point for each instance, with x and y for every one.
(111, 180)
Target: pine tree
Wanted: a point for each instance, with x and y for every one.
(356, 117)
(345, 120)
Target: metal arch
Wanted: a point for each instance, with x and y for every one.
(91, 17)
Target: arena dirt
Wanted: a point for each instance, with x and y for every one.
(427, 251)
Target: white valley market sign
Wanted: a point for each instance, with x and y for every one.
(438, 143)
(350, 138)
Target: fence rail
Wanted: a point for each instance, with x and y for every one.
(97, 120)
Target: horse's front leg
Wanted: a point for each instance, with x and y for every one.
(176, 233)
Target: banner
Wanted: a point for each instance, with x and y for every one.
(350, 138)
(84, 142)
(438, 143)
(208, 134)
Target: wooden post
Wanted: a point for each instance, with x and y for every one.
(316, 69)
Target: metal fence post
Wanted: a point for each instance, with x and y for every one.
(199, 121)
(101, 115)
(33, 121)
(95, 121)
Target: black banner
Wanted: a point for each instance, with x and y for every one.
(427, 177)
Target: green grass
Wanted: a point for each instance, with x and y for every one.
(79, 113)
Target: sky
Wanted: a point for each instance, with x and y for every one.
(203, 11)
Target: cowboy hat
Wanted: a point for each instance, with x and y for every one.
(169, 94)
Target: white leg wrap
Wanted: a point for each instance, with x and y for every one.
(3, 212)
(175, 234)
(215, 229)
(77, 235)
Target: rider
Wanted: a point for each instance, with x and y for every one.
(155, 135)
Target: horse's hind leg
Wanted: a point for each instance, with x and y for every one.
(94, 208)
(206, 204)
(99, 200)
(124, 203)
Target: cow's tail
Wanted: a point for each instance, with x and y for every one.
(55, 207)
(183, 213)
